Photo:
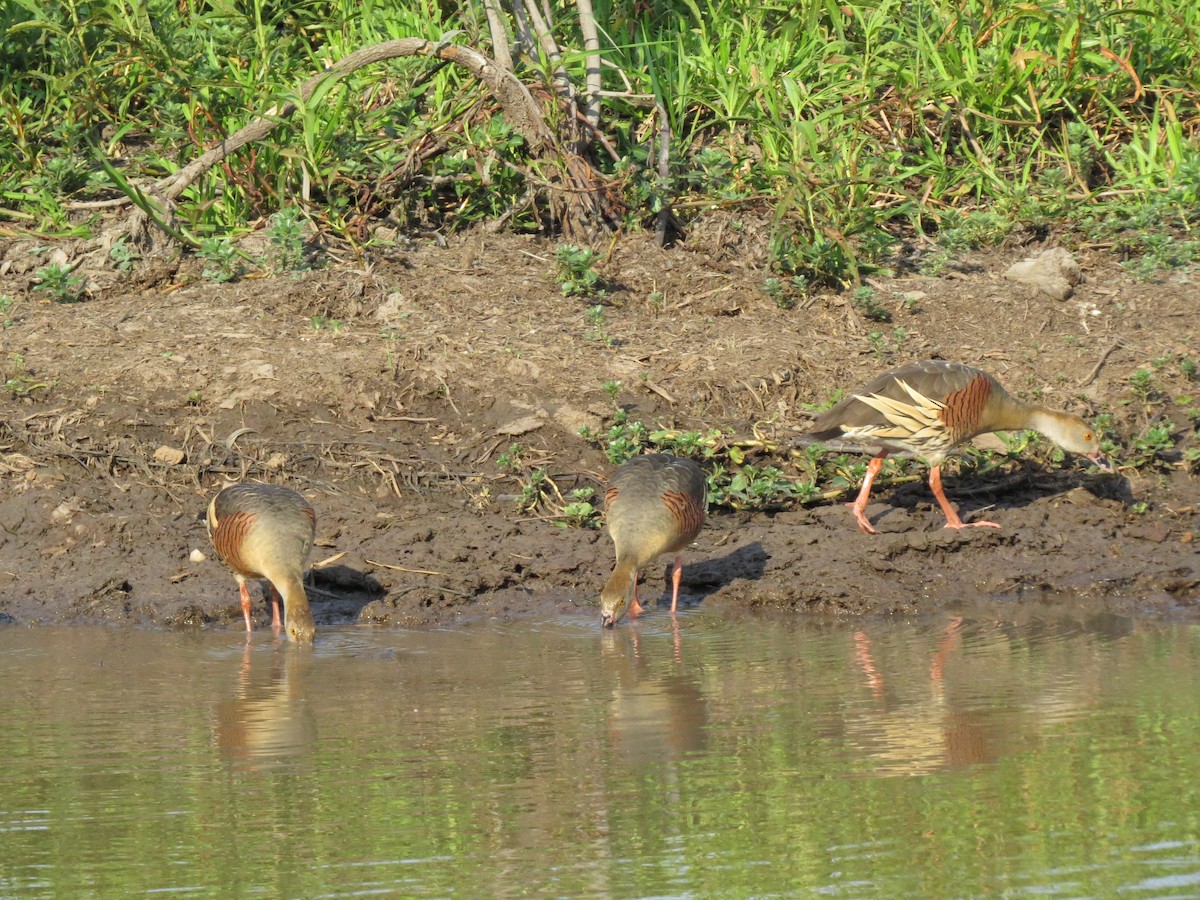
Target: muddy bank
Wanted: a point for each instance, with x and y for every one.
(387, 394)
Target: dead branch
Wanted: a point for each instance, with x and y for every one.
(664, 175)
(541, 30)
(519, 105)
(499, 35)
(1091, 376)
(576, 196)
(591, 43)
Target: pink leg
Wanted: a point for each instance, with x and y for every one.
(276, 604)
(676, 577)
(245, 592)
(952, 519)
(950, 638)
(866, 662)
(859, 506)
(635, 608)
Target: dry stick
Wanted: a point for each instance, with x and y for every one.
(525, 38)
(591, 43)
(562, 81)
(664, 172)
(1118, 343)
(511, 92)
(499, 35)
(519, 106)
(576, 198)
(403, 569)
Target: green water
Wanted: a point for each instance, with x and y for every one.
(733, 757)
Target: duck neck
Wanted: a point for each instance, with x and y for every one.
(1011, 414)
(297, 617)
(620, 583)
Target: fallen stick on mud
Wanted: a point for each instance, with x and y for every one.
(403, 569)
(1100, 362)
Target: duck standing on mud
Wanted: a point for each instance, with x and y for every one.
(654, 504)
(927, 409)
(266, 531)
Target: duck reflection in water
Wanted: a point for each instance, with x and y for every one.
(980, 704)
(934, 732)
(267, 720)
(657, 710)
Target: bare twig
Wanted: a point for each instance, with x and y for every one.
(591, 43)
(577, 198)
(1118, 343)
(545, 40)
(499, 35)
(403, 569)
(664, 174)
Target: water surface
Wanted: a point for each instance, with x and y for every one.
(732, 756)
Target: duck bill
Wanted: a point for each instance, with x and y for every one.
(1101, 462)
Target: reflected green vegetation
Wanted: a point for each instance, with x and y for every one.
(724, 758)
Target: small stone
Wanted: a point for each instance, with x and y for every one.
(197, 556)
(1054, 273)
(520, 426)
(169, 456)
(65, 512)
(1154, 532)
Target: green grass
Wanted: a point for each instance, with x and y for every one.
(849, 123)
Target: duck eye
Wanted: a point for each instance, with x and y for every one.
(1087, 435)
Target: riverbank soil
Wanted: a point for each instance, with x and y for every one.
(388, 389)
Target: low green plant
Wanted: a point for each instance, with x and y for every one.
(6, 307)
(773, 288)
(971, 230)
(706, 444)
(222, 261)
(533, 490)
(887, 346)
(1155, 440)
(1162, 251)
(878, 343)
(1103, 425)
(575, 275)
(18, 380)
(933, 265)
(123, 255)
(322, 323)
(579, 511)
(624, 439)
(822, 405)
(286, 235)
(864, 300)
(510, 460)
(751, 487)
(57, 281)
(596, 329)
(1142, 384)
